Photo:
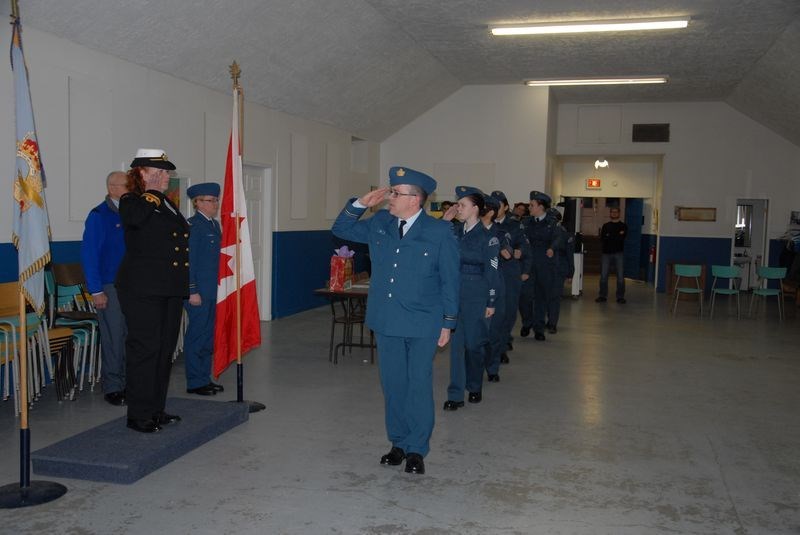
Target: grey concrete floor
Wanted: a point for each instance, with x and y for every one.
(627, 421)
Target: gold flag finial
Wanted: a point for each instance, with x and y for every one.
(236, 72)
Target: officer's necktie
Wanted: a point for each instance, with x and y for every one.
(402, 224)
(216, 227)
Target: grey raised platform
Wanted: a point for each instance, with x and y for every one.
(113, 453)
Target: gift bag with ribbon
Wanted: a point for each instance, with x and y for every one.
(341, 269)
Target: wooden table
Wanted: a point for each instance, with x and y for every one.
(353, 303)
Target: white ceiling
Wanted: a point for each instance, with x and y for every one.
(371, 66)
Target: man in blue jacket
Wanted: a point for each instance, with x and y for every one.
(412, 303)
(204, 244)
(102, 249)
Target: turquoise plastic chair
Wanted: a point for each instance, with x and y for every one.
(766, 274)
(687, 271)
(728, 273)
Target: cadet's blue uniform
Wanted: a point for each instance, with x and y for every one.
(198, 345)
(537, 289)
(497, 335)
(564, 249)
(413, 295)
(512, 269)
(479, 282)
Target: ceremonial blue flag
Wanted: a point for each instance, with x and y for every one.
(31, 231)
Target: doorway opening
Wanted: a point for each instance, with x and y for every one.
(750, 239)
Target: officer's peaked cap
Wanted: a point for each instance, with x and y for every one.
(406, 175)
(152, 158)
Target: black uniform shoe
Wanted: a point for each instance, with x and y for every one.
(552, 329)
(414, 464)
(475, 397)
(394, 457)
(162, 418)
(510, 346)
(600, 300)
(215, 386)
(452, 405)
(206, 390)
(494, 378)
(621, 300)
(143, 426)
(115, 398)
(525, 331)
(504, 359)
(539, 337)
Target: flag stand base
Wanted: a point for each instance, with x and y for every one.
(13, 496)
(254, 406)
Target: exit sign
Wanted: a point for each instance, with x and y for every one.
(592, 183)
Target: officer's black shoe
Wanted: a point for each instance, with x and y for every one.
(504, 359)
(394, 457)
(600, 300)
(475, 397)
(452, 405)
(621, 300)
(115, 398)
(415, 464)
(525, 331)
(215, 386)
(510, 346)
(539, 337)
(493, 378)
(162, 418)
(206, 390)
(552, 329)
(143, 426)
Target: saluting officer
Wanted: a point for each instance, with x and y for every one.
(479, 282)
(535, 291)
(516, 269)
(152, 282)
(497, 335)
(412, 303)
(204, 245)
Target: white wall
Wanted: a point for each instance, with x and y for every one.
(715, 155)
(93, 111)
(495, 137)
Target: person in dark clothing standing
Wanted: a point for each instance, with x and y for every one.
(612, 236)
(152, 282)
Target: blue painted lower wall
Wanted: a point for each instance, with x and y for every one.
(62, 252)
(686, 250)
(300, 263)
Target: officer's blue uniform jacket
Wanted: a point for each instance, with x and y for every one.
(204, 244)
(518, 240)
(414, 283)
(103, 246)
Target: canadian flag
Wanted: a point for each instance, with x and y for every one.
(227, 330)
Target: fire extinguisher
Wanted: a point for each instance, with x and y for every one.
(652, 254)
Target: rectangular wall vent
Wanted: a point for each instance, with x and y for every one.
(651, 133)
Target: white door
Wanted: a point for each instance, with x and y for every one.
(257, 182)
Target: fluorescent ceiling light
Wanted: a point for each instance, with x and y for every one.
(620, 80)
(591, 26)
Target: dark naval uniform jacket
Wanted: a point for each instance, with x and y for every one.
(415, 281)
(156, 260)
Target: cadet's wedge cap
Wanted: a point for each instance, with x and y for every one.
(205, 188)
(152, 158)
(406, 175)
(541, 197)
(463, 191)
(500, 196)
(491, 202)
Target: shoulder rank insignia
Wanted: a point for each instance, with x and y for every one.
(494, 241)
(149, 197)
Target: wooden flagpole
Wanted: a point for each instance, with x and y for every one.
(255, 406)
(37, 492)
